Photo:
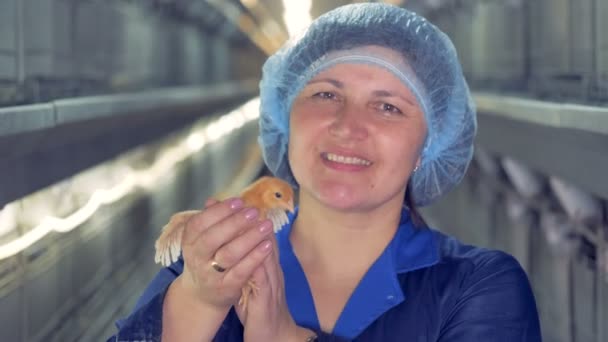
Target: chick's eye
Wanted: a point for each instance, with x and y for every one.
(278, 195)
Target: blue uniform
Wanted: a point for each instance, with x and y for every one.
(425, 286)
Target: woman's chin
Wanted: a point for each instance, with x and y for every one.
(342, 197)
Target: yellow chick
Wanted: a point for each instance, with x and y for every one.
(271, 196)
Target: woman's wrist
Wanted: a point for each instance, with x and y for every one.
(182, 312)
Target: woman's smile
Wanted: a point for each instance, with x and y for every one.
(345, 162)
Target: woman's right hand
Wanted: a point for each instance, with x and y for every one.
(230, 234)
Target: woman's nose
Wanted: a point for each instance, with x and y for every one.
(348, 124)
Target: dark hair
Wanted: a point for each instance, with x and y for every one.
(417, 219)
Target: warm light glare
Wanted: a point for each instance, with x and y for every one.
(195, 141)
(212, 132)
(130, 181)
(251, 109)
(296, 15)
(7, 218)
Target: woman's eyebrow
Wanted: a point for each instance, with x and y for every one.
(386, 93)
(332, 81)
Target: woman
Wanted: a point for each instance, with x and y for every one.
(368, 115)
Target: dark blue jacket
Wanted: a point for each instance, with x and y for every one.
(426, 286)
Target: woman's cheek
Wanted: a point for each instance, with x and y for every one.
(301, 148)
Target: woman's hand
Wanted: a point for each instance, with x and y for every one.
(267, 317)
(230, 235)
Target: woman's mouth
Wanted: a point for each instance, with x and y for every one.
(346, 160)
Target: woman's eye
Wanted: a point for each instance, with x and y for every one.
(387, 107)
(325, 95)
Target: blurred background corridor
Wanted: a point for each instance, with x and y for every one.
(114, 114)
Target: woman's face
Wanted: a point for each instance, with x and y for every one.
(356, 133)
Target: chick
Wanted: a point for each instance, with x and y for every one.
(271, 196)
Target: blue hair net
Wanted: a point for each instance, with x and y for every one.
(433, 73)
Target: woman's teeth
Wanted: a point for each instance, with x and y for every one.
(347, 160)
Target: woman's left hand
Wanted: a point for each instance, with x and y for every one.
(267, 317)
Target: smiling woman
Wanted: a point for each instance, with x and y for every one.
(356, 133)
(368, 115)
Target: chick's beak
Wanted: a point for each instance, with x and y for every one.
(289, 206)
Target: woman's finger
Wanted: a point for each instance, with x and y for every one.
(273, 270)
(225, 231)
(232, 251)
(210, 202)
(209, 217)
(245, 268)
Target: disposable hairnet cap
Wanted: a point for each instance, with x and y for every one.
(430, 69)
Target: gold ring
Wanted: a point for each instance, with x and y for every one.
(217, 267)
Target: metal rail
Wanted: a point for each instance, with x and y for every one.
(29, 118)
(562, 139)
(552, 114)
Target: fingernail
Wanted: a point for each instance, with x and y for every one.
(265, 247)
(251, 213)
(236, 203)
(265, 227)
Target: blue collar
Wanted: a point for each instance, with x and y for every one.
(410, 249)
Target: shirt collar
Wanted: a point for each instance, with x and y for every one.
(410, 249)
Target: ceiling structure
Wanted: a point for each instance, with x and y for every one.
(264, 21)
(273, 28)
